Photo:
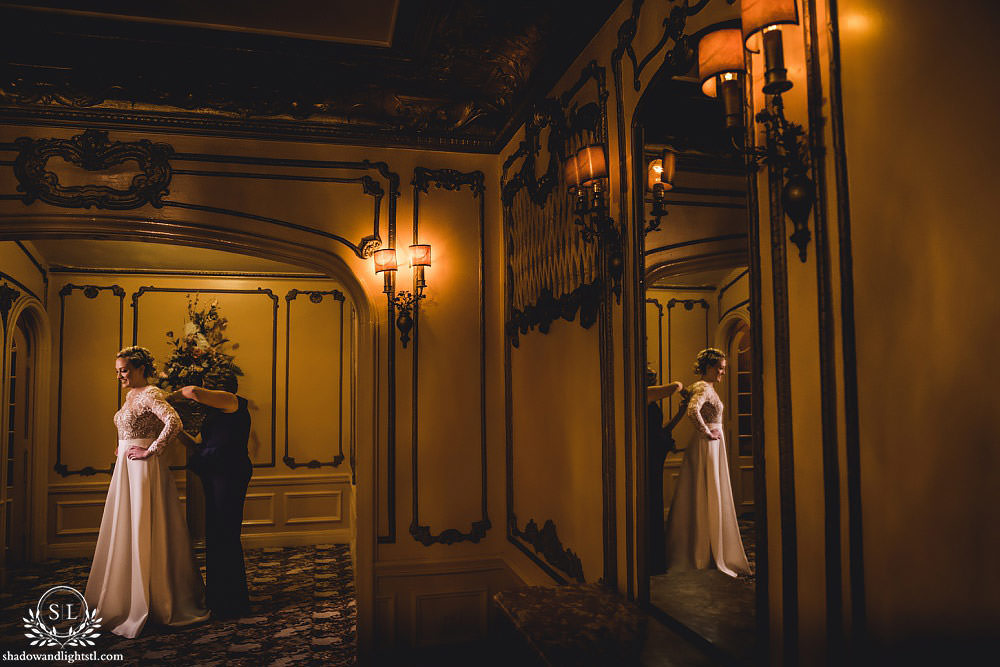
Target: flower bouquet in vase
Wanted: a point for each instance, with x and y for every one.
(198, 357)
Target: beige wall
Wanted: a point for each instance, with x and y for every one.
(450, 383)
(285, 505)
(925, 238)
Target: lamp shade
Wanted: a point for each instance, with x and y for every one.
(420, 254)
(654, 174)
(669, 163)
(385, 260)
(571, 173)
(661, 171)
(591, 163)
(758, 15)
(719, 52)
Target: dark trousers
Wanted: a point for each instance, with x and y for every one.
(226, 576)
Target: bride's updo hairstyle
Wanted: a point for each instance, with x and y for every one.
(139, 357)
(706, 359)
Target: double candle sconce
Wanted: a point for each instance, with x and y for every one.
(404, 302)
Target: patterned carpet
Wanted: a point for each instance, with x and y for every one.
(303, 612)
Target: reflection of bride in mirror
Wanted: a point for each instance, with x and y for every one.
(702, 527)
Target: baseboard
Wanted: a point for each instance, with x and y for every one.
(70, 549)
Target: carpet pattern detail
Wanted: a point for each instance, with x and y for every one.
(303, 611)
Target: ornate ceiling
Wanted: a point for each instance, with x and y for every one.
(457, 75)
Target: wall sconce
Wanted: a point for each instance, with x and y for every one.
(762, 17)
(785, 147)
(720, 66)
(404, 302)
(420, 256)
(585, 173)
(659, 179)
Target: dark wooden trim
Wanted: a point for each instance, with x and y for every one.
(680, 288)
(315, 296)
(725, 288)
(91, 292)
(11, 279)
(704, 262)
(706, 204)
(859, 624)
(737, 306)
(185, 273)
(786, 458)
(274, 344)
(827, 338)
(449, 179)
(235, 128)
(685, 244)
(390, 537)
(762, 575)
(38, 265)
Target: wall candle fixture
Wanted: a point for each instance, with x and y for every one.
(585, 174)
(659, 179)
(403, 302)
(785, 144)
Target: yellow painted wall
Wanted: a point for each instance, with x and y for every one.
(284, 505)
(450, 458)
(921, 141)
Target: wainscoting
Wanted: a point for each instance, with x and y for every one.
(280, 510)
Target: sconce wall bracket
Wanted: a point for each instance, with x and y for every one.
(404, 302)
(787, 150)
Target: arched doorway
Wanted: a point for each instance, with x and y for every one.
(17, 441)
(114, 228)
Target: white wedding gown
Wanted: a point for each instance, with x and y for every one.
(143, 566)
(702, 526)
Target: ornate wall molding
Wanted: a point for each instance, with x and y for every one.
(539, 232)
(90, 292)
(545, 541)
(94, 152)
(8, 295)
(688, 305)
(451, 180)
(316, 297)
(274, 342)
(856, 567)
(552, 272)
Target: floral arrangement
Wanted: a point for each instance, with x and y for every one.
(199, 357)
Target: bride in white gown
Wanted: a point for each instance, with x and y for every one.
(143, 566)
(702, 524)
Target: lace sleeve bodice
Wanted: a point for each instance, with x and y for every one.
(146, 414)
(705, 407)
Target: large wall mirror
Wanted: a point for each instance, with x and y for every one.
(697, 296)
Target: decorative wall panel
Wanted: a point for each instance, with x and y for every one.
(262, 353)
(320, 355)
(552, 272)
(79, 397)
(440, 338)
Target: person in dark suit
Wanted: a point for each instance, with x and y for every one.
(219, 457)
(659, 444)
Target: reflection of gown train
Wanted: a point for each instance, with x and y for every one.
(143, 566)
(702, 523)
